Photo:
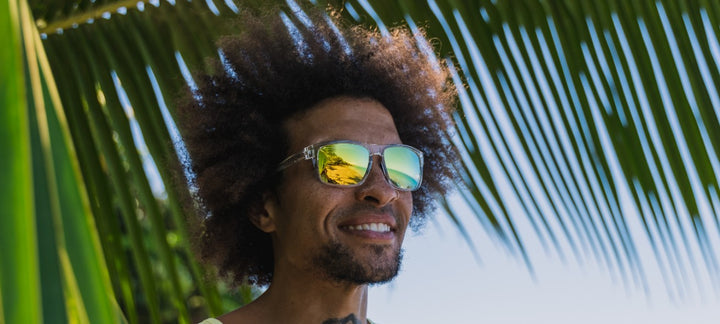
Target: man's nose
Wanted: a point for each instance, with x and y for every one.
(376, 189)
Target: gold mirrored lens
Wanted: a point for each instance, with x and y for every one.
(342, 163)
(403, 167)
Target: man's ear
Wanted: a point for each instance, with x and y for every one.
(264, 213)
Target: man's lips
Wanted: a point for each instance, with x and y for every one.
(374, 222)
(375, 227)
(371, 226)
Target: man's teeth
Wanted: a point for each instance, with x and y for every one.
(375, 227)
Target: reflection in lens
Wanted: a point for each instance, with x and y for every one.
(342, 163)
(403, 167)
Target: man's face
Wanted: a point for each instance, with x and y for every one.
(317, 227)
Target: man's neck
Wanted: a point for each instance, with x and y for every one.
(298, 299)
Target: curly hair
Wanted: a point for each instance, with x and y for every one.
(278, 66)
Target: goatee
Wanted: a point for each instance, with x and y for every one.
(338, 263)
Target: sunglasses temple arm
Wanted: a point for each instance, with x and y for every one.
(306, 154)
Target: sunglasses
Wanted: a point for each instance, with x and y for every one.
(348, 163)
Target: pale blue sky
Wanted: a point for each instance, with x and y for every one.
(441, 282)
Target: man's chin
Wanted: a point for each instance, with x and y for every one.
(338, 263)
(379, 280)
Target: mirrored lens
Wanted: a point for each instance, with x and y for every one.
(403, 167)
(342, 163)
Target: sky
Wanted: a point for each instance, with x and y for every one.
(441, 282)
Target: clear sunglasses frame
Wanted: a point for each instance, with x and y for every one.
(310, 152)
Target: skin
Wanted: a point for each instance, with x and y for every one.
(303, 215)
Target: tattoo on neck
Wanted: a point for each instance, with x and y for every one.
(350, 319)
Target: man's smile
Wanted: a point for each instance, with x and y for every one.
(375, 227)
(373, 231)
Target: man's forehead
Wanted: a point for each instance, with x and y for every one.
(363, 120)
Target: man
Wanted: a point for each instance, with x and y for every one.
(314, 146)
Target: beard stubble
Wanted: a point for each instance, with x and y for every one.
(338, 263)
